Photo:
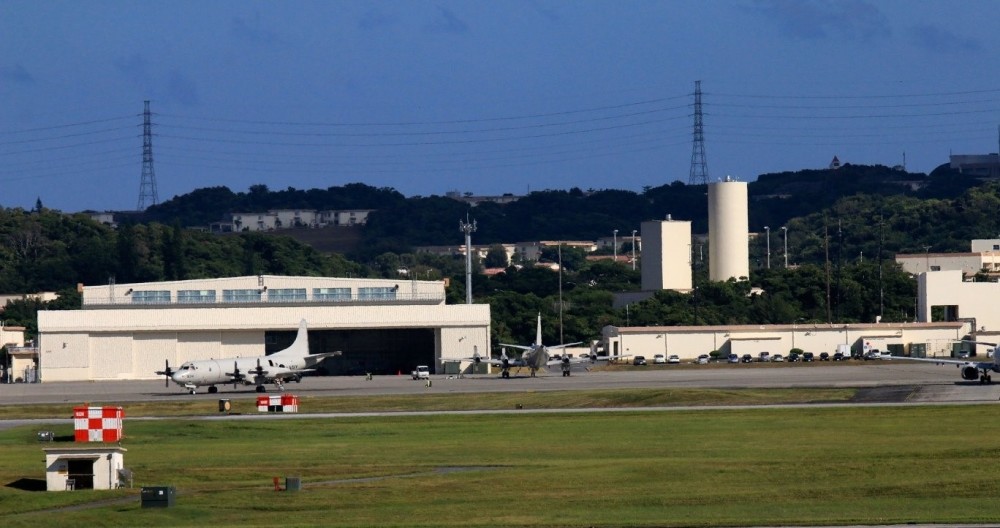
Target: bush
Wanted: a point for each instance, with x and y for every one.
(796, 351)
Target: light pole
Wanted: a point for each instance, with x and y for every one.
(784, 231)
(615, 244)
(767, 231)
(633, 250)
(468, 228)
(927, 258)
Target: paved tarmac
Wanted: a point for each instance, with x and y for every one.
(884, 381)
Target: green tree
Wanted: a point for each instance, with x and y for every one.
(496, 257)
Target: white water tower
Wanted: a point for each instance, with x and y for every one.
(728, 230)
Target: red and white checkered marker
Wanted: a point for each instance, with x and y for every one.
(284, 403)
(98, 424)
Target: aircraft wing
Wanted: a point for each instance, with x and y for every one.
(606, 358)
(572, 361)
(564, 345)
(944, 361)
(511, 362)
(519, 347)
(323, 355)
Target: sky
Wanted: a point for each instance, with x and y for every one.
(479, 96)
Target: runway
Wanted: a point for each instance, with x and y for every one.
(917, 382)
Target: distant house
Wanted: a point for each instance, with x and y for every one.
(834, 163)
(982, 165)
(348, 217)
(473, 200)
(290, 219)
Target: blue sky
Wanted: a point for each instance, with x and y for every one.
(487, 97)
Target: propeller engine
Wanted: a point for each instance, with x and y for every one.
(236, 374)
(166, 372)
(259, 374)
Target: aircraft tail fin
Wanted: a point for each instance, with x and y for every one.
(300, 347)
(538, 331)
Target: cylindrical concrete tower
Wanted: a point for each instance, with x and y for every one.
(728, 231)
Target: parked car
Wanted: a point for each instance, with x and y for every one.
(639, 360)
(703, 359)
(778, 358)
(659, 359)
(764, 357)
(733, 358)
(793, 357)
(807, 356)
(873, 354)
(839, 356)
(747, 358)
(673, 359)
(823, 356)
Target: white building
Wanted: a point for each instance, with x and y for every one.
(728, 231)
(689, 342)
(968, 263)
(350, 217)
(666, 263)
(961, 300)
(129, 331)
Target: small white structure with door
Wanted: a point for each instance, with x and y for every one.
(91, 467)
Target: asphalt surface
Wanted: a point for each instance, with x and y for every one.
(882, 381)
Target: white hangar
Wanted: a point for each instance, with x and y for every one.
(382, 326)
(688, 342)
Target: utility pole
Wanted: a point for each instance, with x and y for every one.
(633, 250)
(468, 228)
(615, 244)
(561, 340)
(767, 232)
(784, 230)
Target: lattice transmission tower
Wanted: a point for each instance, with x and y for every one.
(147, 185)
(699, 165)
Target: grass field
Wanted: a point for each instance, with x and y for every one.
(693, 467)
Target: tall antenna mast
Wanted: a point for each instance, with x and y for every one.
(147, 186)
(699, 166)
(468, 228)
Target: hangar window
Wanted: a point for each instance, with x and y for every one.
(331, 294)
(151, 297)
(287, 294)
(370, 294)
(240, 295)
(196, 296)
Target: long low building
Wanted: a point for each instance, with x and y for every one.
(382, 326)
(689, 342)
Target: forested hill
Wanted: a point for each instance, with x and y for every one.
(400, 223)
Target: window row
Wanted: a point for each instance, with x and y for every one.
(258, 295)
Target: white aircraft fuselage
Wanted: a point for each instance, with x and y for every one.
(288, 364)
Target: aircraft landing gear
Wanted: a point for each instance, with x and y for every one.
(281, 387)
(261, 388)
(505, 374)
(191, 391)
(984, 379)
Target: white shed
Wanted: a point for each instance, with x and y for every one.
(90, 467)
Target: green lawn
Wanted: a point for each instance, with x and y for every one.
(692, 467)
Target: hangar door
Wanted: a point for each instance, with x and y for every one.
(382, 351)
